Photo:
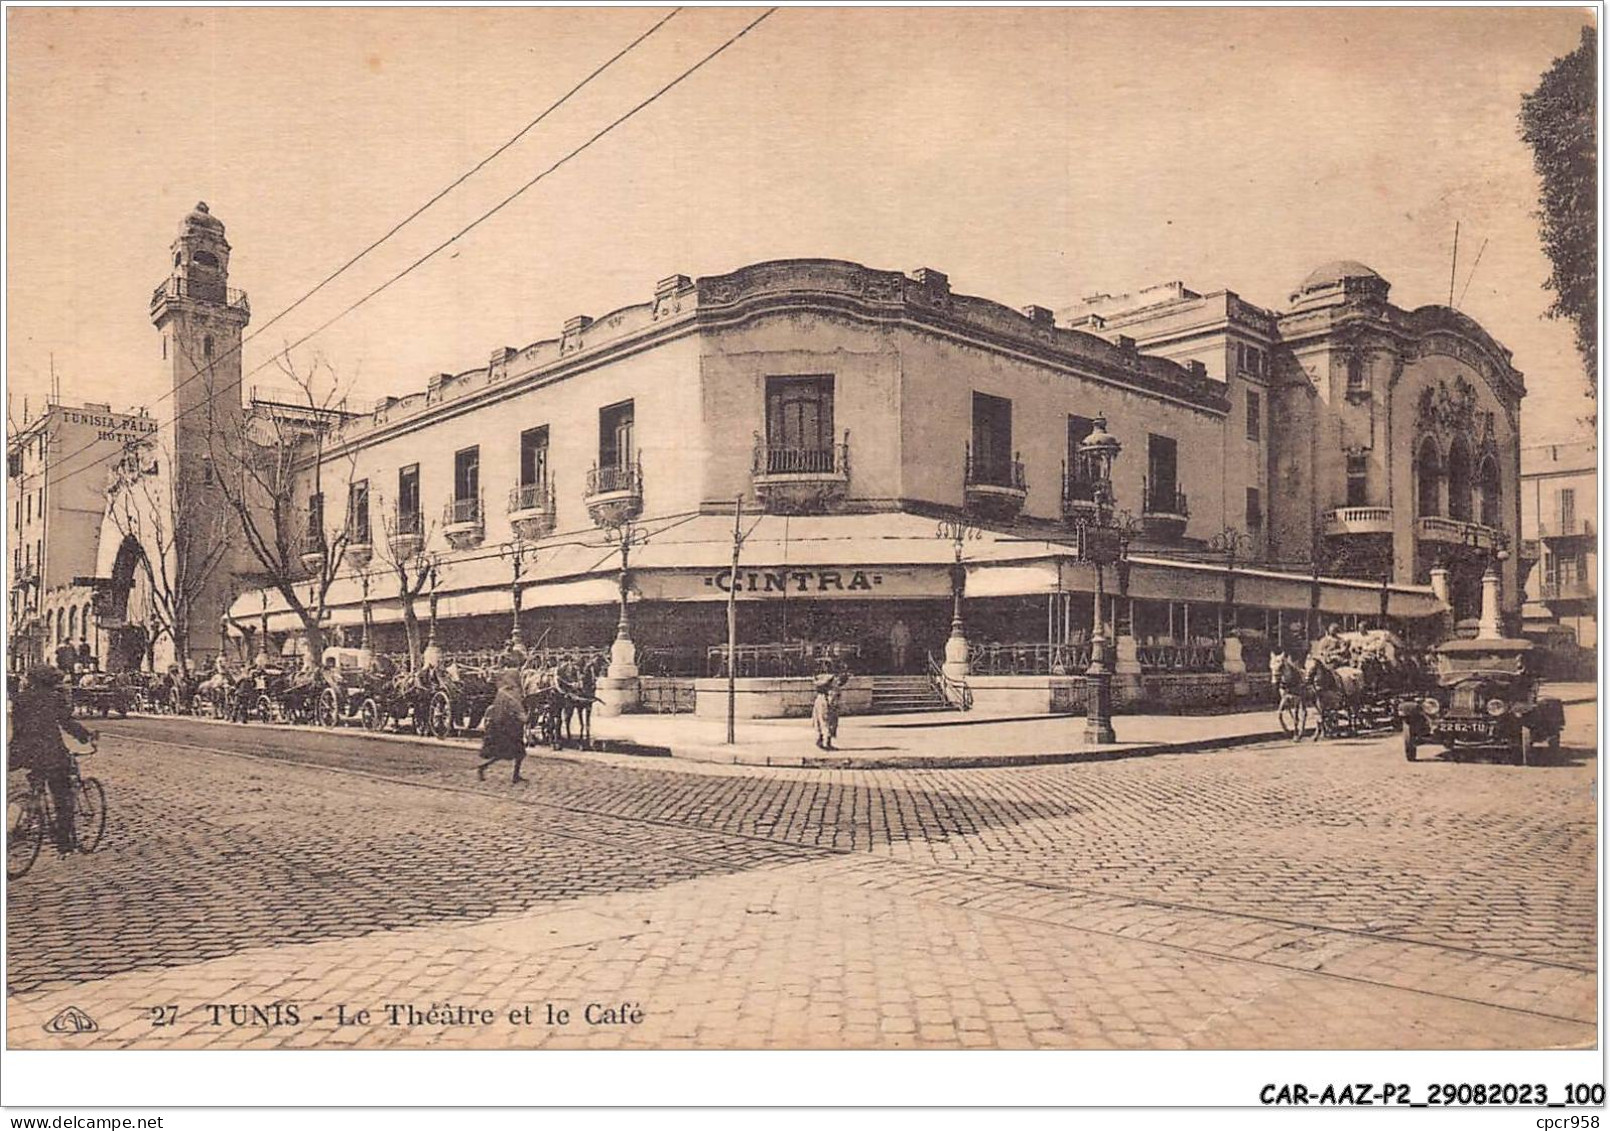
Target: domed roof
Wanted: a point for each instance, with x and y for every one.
(1335, 272)
(201, 217)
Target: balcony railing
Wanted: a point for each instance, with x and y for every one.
(1566, 591)
(407, 534)
(1180, 658)
(1163, 499)
(202, 291)
(1359, 520)
(1435, 528)
(826, 460)
(536, 496)
(615, 478)
(1028, 659)
(463, 512)
(406, 523)
(1576, 528)
(998, 472)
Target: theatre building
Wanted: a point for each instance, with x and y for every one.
(902, 464)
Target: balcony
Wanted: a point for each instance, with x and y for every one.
(313, 550)
(359, 549)
(202, 292)
(407, 536)
(25, 574)
(801, 480)
(1084, 497)
(1557, 530)
(531, 509)
(464, 522)
(1559, 591)
(614, 494)
(1164, 511)
(1344, 521)
(1456, 532)
(994, 489)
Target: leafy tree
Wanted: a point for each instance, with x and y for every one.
(1559, 120)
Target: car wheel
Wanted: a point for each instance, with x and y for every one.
(1526, 746)
(1410, 746)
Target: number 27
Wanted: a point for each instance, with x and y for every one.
(163, 1015)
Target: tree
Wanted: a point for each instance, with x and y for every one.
(182, 541)
(1559, 120)
(404, 548)
(270, 466)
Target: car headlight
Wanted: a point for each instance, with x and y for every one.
(1496, 707)
(1431, 706)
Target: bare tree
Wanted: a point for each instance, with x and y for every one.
(182, 541)
(270, 464)
(405, 549)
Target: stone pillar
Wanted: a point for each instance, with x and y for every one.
(1127, 687)
(1235, 665)
(956, 665)
(1491, 625)
(619, 692)
(1439, 585)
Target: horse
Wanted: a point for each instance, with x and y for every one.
(1338, 691)
(578, 687)
(543, 705)
(1292, 690)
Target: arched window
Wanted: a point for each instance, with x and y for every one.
(1459, 480)
(1428, 472)
(83, 622)
(206, 346)
(72, 624)
(1492, 492)
(178, 259)
(205, 258)
(52, 629)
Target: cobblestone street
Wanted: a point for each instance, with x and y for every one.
(1270, 896)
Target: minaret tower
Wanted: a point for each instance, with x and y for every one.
(200, 321)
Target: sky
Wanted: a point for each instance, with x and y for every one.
(1034, 155)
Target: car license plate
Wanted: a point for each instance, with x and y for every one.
(1466, 728)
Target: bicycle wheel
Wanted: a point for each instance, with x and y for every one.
(25, 835)
(89, 816)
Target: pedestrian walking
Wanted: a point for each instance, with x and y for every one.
(825, 704)
(503, 733)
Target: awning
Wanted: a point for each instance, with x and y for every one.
(1334, 598)
(1263, 591)
(1016, 580)
(1159, 580)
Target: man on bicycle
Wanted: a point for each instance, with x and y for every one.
(40, 712)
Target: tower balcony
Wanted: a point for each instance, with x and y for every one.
(1457, 532)
(1164, 511)
(200, 290)
(464, 522)
(407, 537)
(614, 494)
(1344, 521)
(801, 480)
(531, 509)
(995, 489)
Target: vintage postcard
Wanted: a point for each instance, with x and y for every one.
(805, 529)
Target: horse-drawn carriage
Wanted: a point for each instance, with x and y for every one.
(355, 681)
(103, 694)
(462, 694)
(1352, 682)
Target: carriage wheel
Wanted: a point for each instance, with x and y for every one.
(265, 709)
(441, 715)
(328, 711)
(369, 714)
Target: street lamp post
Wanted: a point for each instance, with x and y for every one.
(432, 655)
(515, 552)
(956, 666)
(1102, 545)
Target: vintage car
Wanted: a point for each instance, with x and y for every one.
(1484, 693)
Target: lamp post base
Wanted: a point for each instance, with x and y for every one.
(1098, 706)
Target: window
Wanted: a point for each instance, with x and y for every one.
(799, 413)
(1429, 482)
(72, 624)
(534, 456)
(358, 512)
(408, 499)
(1459, 481)
(467, 475)
(992, 441)
(1079, 429)
(315, 517)
(1162, 473)
(1254, 509)
(1249, 359)
(1254, 416)
(206, 346)
(1355, 374)
(1492, 493)
(206, 470)
(1566, 507)
(206, 259)
(29, 511)
(1358, 480)
(616, 446)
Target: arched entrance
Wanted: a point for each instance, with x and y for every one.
(124, 609)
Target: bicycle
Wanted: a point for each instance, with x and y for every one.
(28, 818)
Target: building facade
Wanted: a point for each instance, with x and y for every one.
(55, 487)
(1559, 509)
(863, 419)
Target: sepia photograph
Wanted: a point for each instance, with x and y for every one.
(805, 529)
